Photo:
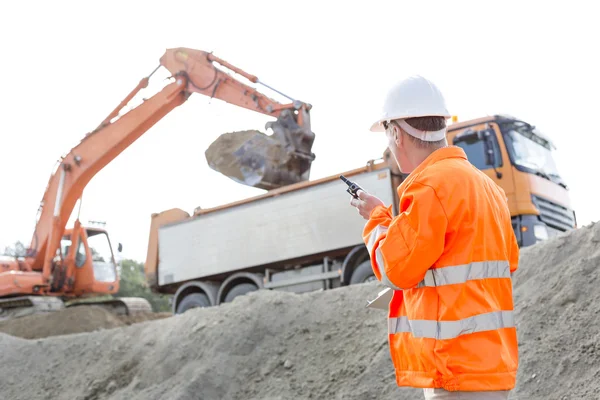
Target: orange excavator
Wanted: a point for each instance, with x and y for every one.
(63, 266)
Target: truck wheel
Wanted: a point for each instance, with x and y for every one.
(363, 273)
(239, 290)
(192, 301)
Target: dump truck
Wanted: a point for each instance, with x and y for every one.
(73, 266)
(306, 236)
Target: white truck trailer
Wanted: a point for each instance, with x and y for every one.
(306, 236)
(298, 238)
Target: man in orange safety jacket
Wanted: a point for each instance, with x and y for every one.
(448, 256)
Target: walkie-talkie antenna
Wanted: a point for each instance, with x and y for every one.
(353, 188)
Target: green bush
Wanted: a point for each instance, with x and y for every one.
(133, 284)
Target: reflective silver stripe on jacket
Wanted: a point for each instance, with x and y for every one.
(463, 273)
(375, 233)
(441, 330)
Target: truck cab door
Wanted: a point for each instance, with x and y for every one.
(485, 149)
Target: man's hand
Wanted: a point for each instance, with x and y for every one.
(366, 204)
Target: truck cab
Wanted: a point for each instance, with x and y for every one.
(520, 160)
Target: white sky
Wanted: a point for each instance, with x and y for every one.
(64, 66)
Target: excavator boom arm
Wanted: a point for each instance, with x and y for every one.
(194, 72)
(78, 167)
(205, 78)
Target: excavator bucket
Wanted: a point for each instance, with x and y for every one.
(266, 162)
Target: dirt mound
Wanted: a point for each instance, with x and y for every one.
(71, 320)
(557, 305)
(324, 345)
(143, 316)
(266, 345)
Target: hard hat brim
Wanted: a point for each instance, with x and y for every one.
(377, 127)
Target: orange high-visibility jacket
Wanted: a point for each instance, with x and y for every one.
(449, 256)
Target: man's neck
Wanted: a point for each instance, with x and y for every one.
(419, 155)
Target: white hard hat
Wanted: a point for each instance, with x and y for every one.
(413, 97)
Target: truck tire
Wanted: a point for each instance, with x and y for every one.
(193, 300)
(363, 273)
(239, 290)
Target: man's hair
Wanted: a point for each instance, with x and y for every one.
(426, 124)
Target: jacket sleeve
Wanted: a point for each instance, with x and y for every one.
(374, 232)
(403, 248)
(514, 253)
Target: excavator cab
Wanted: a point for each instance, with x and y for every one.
(90, 269)
(84, 267)
(89, 262)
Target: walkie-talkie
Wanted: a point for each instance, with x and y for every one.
(353, 188)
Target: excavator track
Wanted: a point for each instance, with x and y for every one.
(118, 306)
(21, 306)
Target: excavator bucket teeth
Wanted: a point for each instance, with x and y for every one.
(16, 307)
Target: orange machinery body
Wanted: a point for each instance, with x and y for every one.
(47, 269)
(79, 278)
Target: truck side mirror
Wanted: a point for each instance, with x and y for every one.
(120, 247)
(490, 157)
(471, 136)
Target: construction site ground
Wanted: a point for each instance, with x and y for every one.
(321, 345)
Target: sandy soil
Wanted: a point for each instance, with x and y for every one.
(71, 320)
(324, 345)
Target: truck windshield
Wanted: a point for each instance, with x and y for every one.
(102, 257)
(530, 151)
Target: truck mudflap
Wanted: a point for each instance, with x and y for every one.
(21, 306)
(118, 306)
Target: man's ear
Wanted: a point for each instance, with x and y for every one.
(398, 139)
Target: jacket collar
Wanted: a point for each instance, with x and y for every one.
(438, 155)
